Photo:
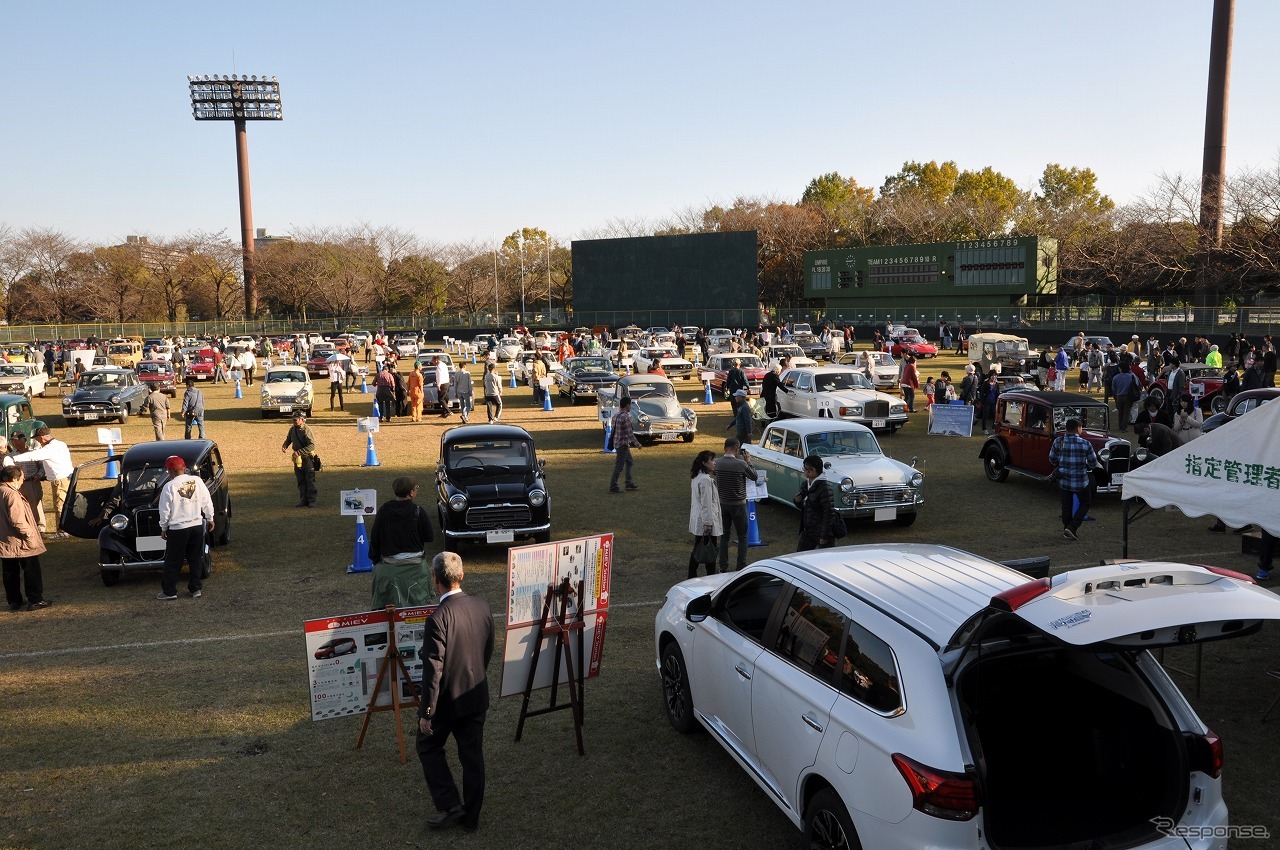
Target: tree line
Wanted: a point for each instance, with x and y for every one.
(1149, 247)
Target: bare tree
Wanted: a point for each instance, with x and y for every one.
(215, 268)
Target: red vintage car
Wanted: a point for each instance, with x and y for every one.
(911, 342)
(158, 375)
(720, 365)
(203, 364)
(1208, 379)
(318, 362)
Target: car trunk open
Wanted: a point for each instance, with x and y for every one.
(1071, 748)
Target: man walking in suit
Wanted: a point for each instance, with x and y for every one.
(456, 649)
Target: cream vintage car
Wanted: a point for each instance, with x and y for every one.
(286, 390)
(838, 392)
(865, 484)
(675, 366)
(878, 366)
(26, 379)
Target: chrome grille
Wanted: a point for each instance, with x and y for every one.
(499, 516)
(666, 426)
(888, 495)
(876, 410)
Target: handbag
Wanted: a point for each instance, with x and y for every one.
(1053, 373)
(315, 462)
(705, 549)
(838, 527)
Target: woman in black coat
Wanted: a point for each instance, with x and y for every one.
(816, 508)
(402, 395)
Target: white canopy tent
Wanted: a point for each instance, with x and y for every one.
(1233, 473)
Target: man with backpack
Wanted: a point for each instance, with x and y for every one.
(1126, 389)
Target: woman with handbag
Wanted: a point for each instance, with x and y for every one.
(816, 508)
(704, 514)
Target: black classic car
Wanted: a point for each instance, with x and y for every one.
(129, 537)
(104, 394)
(490, 486)
(585, 376)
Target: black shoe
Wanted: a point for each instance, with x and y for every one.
(301, 504)
(16, 608)
(615, 489)
(448, 818)
(39, 606)
(632, 487)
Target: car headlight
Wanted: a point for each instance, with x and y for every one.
(1104, 455)
(643, 419)
(115, 399)
(119, 522)
(457, 502)
(855, 410)
(846, 485)
(301, 396)
(265, 393)
(917, 479)
(899, 408)
(846, 500)
(688, 413)
(66, 402)
(537, 498)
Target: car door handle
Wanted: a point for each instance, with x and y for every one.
(742, 672)
(811, 723)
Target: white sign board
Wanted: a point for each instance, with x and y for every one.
(758, 491)
(951, 420)
(368, 425)
(358, 502)
(706, 377)
(109, 437)
(546, 382)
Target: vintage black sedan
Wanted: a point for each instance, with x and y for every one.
(585, 376)
(124, 515)
(491, 486)
(104, 394)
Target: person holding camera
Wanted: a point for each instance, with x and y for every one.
(732, 470)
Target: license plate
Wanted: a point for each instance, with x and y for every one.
(501, 536)
(670, 437)
(89, 417)
(286, 408)
(879, 423)
(884, 514)
(1117, 478)
(149, 544)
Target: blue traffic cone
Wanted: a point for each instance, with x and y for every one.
(360, 562)
(239, 394)
(608, 440)
(113, 465)
(753, 527)
(546, 399)
(473, 357)
(708, 400)
(377, 411)
(370, 454)
(513, 379)
(364, 387)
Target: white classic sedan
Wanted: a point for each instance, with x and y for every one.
(838, 392)
(792, 353)
(878, 366)
(675, 366)
(865, 484)
(286, 390)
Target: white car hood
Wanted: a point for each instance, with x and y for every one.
(860, 397)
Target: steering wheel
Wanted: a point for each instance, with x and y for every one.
(467, 462)
(821, 450)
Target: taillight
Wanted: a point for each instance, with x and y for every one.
(1206, 754)
(1223, 571)
(1015, 597)
(939, 793)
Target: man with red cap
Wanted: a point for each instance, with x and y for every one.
(186, 512)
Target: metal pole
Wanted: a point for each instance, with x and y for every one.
(246, 220)
(523, 319)
(546, 258)
(497, 315)
(1124, 533)
(1214, 167)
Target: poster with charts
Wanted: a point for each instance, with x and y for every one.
(530, 570)
(344, 653)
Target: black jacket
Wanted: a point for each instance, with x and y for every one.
(456, 648)
(400, 526)
(815, 509)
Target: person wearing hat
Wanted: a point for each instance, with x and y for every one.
(186, 514)
(741, 421)
(57, 465)
(303, 443)
(20, 545)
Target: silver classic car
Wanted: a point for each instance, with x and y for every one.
(104, 394)
(656, 413)
(864, 483)
(839, 392)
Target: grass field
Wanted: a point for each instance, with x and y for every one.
(126, 722)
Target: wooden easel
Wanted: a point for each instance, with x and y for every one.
(560, 625)
(392, 662)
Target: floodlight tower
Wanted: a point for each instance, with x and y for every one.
(239, 98)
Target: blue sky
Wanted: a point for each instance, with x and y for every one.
(468, 120)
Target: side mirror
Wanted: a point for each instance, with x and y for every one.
(914, 458)
(542, 465)
(698, 609)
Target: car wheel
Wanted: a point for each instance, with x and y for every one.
(905, 520)
(1218, 405)
(225, 537)
(993, 463)
(675, 690)
(110, 578)
(110, 575)
(124, 414)
(827, 825)
(573, 397)
(542, 537)
(688, 438)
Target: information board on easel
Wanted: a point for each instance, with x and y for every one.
(530, 571)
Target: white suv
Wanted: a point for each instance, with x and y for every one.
(908, 696)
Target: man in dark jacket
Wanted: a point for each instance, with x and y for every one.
(303, 443)
(457, 646)
(401, 527)
(816, 509)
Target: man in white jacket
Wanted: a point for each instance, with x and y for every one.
(186, 511)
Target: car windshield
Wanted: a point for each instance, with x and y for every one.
(912, 338)
(880, 358)
(154, 369)
(749, 361)
(842, 443)
(593, 364)
(831, 382)
(656, 390)
(120, 349)
(145, 481)
(14, 371)
(481, 454)
(1092, 417)
(786, 351)
(1011, 347)
(101, 379)
(289, 377)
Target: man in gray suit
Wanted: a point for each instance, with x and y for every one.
(457, 645)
